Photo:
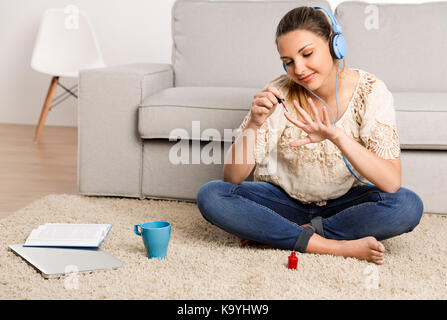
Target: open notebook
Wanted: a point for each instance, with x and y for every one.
(68, 235)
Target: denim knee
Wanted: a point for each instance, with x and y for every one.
(412, 205)
(207, 196)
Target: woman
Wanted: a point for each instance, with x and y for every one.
(305, 196)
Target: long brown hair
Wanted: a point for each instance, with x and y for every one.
(313, 20)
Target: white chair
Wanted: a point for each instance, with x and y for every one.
(65, 44)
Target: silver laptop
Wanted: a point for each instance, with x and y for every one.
(56, 262)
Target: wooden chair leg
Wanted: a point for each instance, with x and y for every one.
(46, 108)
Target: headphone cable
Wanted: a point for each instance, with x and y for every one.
(335, 122)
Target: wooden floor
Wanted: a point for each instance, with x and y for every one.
(30, 171)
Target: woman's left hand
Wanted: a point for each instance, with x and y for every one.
(316, 130)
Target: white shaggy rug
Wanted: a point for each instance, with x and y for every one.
(205, 262)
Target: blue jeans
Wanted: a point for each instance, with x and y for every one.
(264, 212)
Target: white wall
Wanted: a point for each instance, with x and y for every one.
(128, 31)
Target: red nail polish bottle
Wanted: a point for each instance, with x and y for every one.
(293, 260)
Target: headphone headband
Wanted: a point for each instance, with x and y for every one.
(335, 26)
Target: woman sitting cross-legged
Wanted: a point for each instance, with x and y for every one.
(305, 195)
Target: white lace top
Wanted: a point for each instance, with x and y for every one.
(316, 172)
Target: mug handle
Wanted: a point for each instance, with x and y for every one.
(135, 229)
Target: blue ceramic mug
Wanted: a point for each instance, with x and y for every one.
(155, 236)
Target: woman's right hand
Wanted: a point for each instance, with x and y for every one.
(263, 105)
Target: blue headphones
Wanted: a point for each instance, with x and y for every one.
(337, 47)
(337, 44)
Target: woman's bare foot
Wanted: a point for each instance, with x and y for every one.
(243, 242)
(246, 242)
(367, 248)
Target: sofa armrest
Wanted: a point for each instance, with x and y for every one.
(109, 146)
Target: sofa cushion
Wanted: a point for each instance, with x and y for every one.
(403, 44)
(215, 108)
(420, 116)
(421, 119)
(228, 43)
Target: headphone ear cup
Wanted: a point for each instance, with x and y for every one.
(331, 46)
(284, 66)
(338, 46)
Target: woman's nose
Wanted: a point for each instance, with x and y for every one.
(299, 69)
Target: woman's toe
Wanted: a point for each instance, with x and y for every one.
(381, 247)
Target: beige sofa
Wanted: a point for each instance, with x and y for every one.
(134, 120)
